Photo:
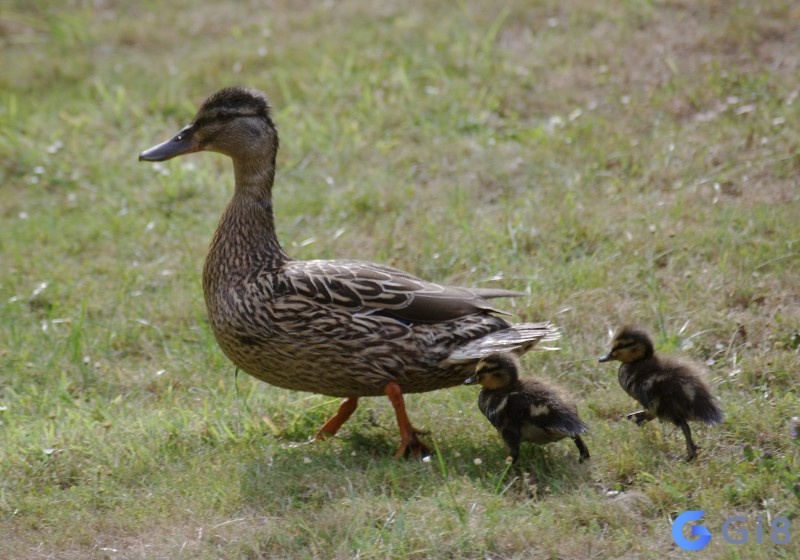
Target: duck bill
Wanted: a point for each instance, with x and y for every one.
(181, 143)
(471, 380)
(606, 358)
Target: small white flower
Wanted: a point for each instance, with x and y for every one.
(478, 461)
(55, 146)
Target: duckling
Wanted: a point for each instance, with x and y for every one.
(670, 389)
(525, 410)
(344, 328)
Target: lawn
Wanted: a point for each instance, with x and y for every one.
(632, 161)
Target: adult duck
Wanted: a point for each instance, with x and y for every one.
(343, 328)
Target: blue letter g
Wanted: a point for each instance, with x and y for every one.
(699, 531)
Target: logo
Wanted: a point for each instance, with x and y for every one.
(699, 531)
(732, 531)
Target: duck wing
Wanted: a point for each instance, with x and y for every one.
(368, 288)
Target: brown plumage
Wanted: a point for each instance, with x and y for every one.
(338, 327)
(670, 389)
(525, 410)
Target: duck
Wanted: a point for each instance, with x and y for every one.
(669, 388)
(342, 328)
(529, 410)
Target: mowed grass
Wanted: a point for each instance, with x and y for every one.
(619, 162)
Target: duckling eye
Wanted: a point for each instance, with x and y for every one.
(623, 346)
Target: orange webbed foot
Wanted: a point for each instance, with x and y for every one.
(411, 446)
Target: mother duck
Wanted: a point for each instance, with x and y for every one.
(344, 328)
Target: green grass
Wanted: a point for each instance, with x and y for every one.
(619, 161)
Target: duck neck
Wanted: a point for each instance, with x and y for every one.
(245, 238)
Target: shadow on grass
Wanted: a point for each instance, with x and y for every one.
(361, 464)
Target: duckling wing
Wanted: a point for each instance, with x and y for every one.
(634, 380)
(545, 413)
(363, 287)
(641, 394)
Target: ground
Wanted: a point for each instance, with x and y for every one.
(618, 162)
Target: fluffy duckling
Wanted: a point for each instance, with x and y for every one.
(670, 389)
(525, 410)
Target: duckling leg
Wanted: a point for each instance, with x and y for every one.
(584, 451)
(512, 439)
(332, 426)
(691, 448)
(409, 443)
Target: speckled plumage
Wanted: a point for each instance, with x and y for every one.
(670, 389)
(525, 410)
(338, 327)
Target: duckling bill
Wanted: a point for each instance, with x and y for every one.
(670, 389)
(525, 410)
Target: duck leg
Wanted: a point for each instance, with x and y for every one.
(332, 426)
(691, 448)
(409, 443)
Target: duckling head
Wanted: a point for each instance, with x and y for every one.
(495, 371)
(234, 121)
(629, 344)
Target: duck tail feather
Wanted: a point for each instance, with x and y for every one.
(517, 339)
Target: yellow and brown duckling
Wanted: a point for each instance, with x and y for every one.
(525, 410)
(670, 389)
(343, 328)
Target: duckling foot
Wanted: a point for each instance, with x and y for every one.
(641, 417)
(409, 443)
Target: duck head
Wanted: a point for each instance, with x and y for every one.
(629, 345)
(234, 121)
(495, 371)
